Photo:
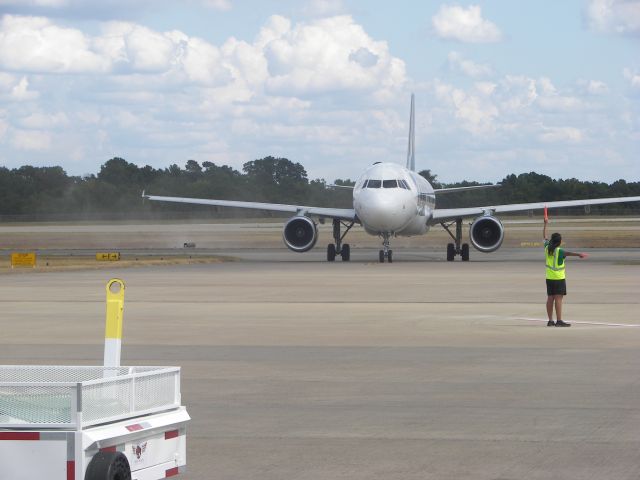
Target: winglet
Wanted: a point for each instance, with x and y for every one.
(411, 150)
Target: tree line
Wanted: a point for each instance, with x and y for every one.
(49, 193)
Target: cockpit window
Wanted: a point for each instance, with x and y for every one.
(386, 184)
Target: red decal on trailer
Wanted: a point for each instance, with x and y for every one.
(134, 428)
(109, 449)
(171, 473)
(71, 470)
(171, 434)
(19, 435)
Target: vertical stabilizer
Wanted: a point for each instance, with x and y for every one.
(411, 151)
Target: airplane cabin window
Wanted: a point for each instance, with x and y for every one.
(390, 183)
(374, 184)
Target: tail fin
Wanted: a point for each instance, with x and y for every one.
(411, 151)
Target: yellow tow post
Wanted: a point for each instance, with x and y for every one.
(113, 326)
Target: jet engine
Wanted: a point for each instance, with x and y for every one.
(486, 233)
(300, 233)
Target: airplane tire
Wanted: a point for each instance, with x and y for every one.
(331, 252)
(381, 256)
(465, 252)
(451, 252)
(346, 252)
(390, 256)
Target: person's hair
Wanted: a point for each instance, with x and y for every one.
(554, 242)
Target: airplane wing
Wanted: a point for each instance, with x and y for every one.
(445, 214)
(459, 189)
(347, 214)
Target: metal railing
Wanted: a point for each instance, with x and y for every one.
(61, 397)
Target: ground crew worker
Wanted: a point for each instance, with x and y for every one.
(556, 282)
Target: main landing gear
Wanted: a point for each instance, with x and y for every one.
(457, 248)
(338, 248)
(386, 252)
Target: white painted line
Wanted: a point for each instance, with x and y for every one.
(582, 323)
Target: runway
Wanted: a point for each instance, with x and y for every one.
(297, 368)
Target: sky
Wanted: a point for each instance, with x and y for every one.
(501, 87)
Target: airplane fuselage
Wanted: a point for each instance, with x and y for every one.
(392, 200)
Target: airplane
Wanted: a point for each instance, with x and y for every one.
(391, 200)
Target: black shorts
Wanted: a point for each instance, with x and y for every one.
(556, 287)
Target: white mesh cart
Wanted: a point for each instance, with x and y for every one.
(91, 423)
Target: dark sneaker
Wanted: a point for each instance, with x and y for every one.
(560, 323)
(551, 323)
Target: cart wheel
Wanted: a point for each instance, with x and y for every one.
(108, 466)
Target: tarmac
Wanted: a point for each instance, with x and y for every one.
(296, 368)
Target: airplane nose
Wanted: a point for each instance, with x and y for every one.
(381, 212)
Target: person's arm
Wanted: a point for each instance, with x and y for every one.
(575, 254)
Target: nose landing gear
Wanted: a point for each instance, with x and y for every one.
(386, 252)
(338, 248)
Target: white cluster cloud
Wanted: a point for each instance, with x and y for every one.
(514, 103)
(594, 87)
(308, 58)
(223, 5)
(520, 92)
(106, 5)
(35, 3)
(551, 100)
(32, 140)
(468, 67)
(35, 44)
(15, 89)
(474, 109)
(324, 8)
(561, 135)
(614, 16)
(329, 54)
(520, 123)
(320, 91)
(464, 25)
(632, 77)
(138, 89)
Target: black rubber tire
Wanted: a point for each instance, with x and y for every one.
(108, 466)
(390, 256)
(331, 252)
(381, 256)
(451, 252)
(465, 252)
(346, 252)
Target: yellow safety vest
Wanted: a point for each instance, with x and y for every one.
(554, 271)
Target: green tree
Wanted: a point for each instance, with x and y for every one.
(431, 178)
(277, 179)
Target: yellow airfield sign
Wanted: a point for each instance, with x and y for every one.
(108, 256)
(23, 259)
